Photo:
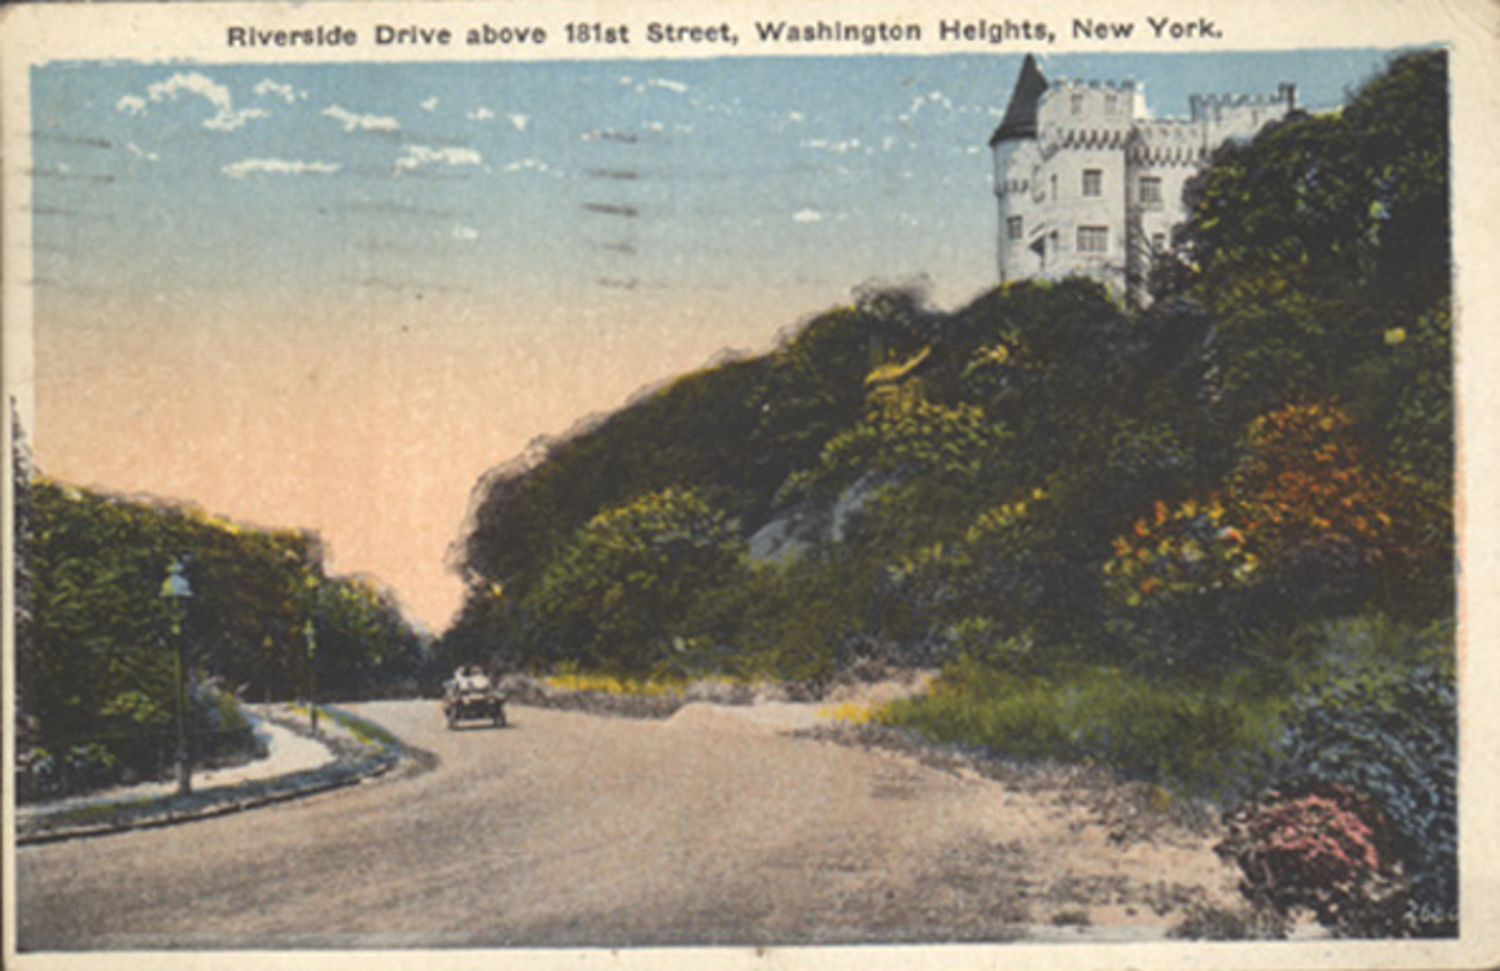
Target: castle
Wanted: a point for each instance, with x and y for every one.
(1090, 184)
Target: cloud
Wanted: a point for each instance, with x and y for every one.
(658, 127)
(528, 165)
(807, 216)
(665, 84)
(141, 153)
(840, 148)
(277, 166)
(285, 92)
(920, 102)
(131, 104)
(480, 114)
(418, 156)
(226, 118)
(430, 104)
(932, 98)
(465, 234)
(519, 122)
(231, 122)
(354, 122)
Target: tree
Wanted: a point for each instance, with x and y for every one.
(1316, 242)
(621, 595)
(365, 647)
(99, 664)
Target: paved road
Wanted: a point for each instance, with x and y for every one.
(570, 829)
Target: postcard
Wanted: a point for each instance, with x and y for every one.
(517, 485)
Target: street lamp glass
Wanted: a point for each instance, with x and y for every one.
(176, 586)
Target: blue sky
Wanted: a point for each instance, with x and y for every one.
(615, 175)
(300, 294)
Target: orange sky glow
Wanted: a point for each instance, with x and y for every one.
(368, 424)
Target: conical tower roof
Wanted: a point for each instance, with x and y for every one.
(1020, 115)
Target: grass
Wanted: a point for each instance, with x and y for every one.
(367, 732)
(363, 731)
(1194, 739)
(103, 812)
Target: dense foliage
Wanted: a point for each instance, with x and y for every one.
(105, 660)
(1268, 443)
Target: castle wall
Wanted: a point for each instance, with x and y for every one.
(1068, 186)
(1099, 186)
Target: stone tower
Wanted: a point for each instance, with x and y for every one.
(1090, 184)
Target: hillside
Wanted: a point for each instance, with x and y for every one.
(1000, 454)
(1204, 543)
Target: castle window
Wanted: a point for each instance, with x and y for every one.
(1111, 104)
(1093, 182)
(1093, 239)
(1077, 104)
(1159, 242)
(1150, 190)
(1014, 228)
(1054, 187)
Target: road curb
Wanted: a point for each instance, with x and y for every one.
(379, 752)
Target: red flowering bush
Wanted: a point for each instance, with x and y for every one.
(1321, 847)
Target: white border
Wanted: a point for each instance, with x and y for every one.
(31, 35)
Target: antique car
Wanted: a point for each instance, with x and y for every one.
(471, 697)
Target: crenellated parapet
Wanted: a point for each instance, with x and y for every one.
(1070, 84)
(1203, 107)
(1089, 183)
(1166, 143)
(1090, 139)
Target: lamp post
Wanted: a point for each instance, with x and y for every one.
(310, 633)
(176, 590)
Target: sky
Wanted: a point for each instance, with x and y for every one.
(331, 296)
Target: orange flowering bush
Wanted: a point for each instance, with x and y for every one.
(1303, 491)
(1307, 525)
(1305, 479)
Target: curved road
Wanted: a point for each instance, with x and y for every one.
(571, 829)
